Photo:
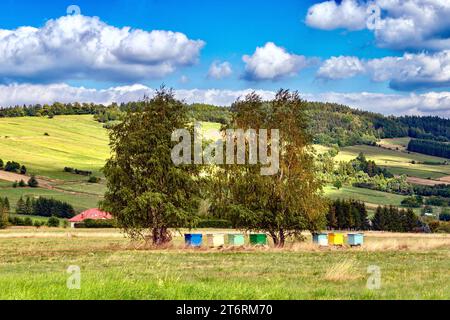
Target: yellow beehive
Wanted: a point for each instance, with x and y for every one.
(216, 240)
(335, 239)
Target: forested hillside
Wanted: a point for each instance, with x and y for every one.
(433, 148)
(329, 123)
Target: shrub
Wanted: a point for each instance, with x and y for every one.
(12, 166)
(38, 223)
(76, 171)
(15, 184)
(33, 183)
(436, 201)
(23, 170)
(96, 224)
(21, 222)
(22, 184)
(93, 179)
(65, 224)
(28, 221)
(439, 227)
(412, 202)
(1, 164)
(53, 222)
(444, 217)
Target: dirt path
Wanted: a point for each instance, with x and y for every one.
(45, 184)
(12, 177)
(428, 182)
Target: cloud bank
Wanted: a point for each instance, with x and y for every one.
(407, 72)
(80, 47)
(431, 103)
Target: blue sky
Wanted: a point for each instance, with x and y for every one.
(324, 49)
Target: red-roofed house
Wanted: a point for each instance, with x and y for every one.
(91, 214)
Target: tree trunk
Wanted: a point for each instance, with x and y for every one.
(275, 239)
(282, 237)
(161, 236)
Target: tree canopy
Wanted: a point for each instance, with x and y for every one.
(283, 204)
(146, 192)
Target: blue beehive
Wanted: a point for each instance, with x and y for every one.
(193, 240)
(321, 239)
(355, 239)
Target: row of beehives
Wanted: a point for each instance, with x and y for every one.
(218, 240)
(337, 239)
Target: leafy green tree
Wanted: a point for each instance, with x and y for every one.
(6, 203)
(147, 193)
(29, 206)
(22, 184)
(21, 206)
(23, 170)
(32, 182)
(379, 219)
(4, 214)
(337, 184)
(12, 166)
(410, 220)
(283, 204)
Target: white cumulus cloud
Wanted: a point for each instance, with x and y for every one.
(329, 15)
(340, 68)
(397, 24)
(80, 47)
(272, 63)
(219, 70)
(407, 72)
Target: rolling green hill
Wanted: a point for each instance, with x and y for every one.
(397, 162)
(72, 141)
(47, 145)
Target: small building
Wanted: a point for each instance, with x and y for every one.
(91, 214)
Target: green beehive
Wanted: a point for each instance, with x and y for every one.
(258, 239)
(236, 239)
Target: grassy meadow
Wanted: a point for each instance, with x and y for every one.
(72, 141)
(396, 161)
(399, 162)
(45, 146)
(33, 262)
(372, 198)
(33, 265)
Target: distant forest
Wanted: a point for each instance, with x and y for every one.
(433, 148)
(329, 123)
